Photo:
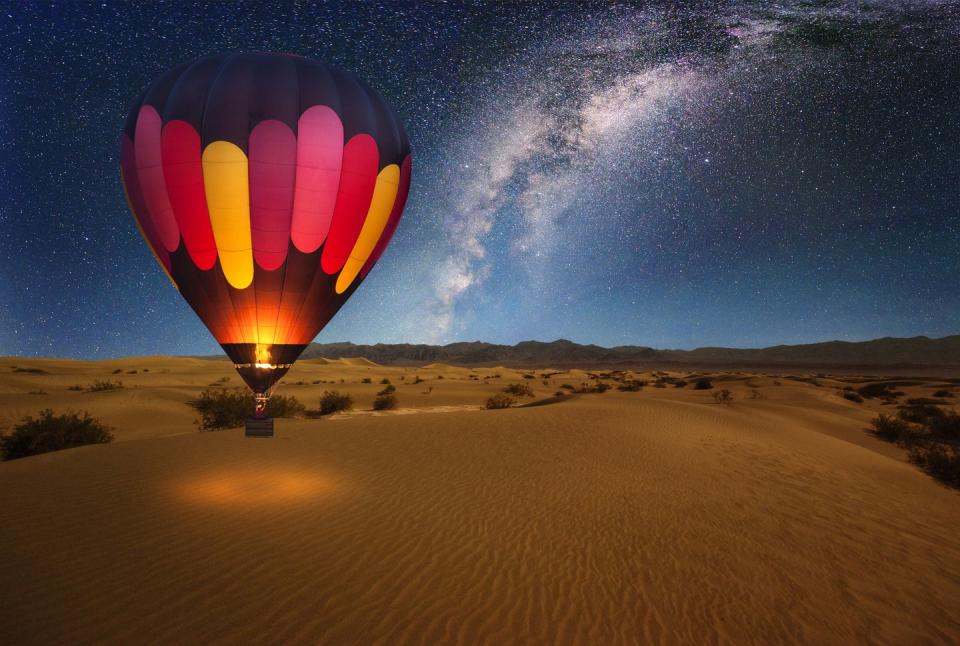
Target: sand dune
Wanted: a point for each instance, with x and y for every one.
(623, 517)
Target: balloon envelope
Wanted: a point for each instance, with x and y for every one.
(267, 186)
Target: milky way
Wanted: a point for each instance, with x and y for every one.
(747, 174)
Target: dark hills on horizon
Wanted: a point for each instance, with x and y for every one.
(919, 351)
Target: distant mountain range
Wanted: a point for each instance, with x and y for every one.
(918, 351)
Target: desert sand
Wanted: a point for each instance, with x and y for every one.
(656, 516)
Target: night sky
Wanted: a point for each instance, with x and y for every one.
(674, 177)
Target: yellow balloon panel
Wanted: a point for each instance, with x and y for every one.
(226, 184)
(384, 195)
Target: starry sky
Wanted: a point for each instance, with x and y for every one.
(740, 174)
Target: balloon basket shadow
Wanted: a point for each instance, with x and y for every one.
(258, 427)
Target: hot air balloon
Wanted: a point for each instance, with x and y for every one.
(266, 186)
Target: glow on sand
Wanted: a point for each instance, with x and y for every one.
(238, 487)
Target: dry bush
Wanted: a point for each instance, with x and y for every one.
(384, 382)
(889, 428)
(946, 427)
(723, 396)
(500, 400)
(632, 385)
(852, 396)
(366, 380)
(518, 390)
(221, 409)
(703, 384)
(598, 387)
(333, 401)
(942, 461)
(881, 390)
(385, 402)
(48, 432)
(919, 413)
(388, 390)
(102, 385)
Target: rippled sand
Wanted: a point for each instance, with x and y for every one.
(655, 516)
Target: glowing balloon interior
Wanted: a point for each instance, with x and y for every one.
(267, 186)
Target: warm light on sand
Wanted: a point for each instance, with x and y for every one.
(255, 487)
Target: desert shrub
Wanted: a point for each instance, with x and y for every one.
(102, 385)
(946, 426)
(679, 383)
(76, 387)
(48, 432)
(852, 396)
(388, 390)
(559, 393)
(882, 390)
(117, 371)
(385, 402)
(632, 385)
(37, 392)
(567, 386)
(889, 428)
(131, 372)
(500, 400)
(919, 413)
(597, 387)
(284, 406)
(518, 390)
(703, 384)
(366, 380)
(333, 401)
(146, 369)
(384, 382)
(417, 379)
(723, 396)
(659, 384)
(220, 409)
(529, 376)
(943, 393)
(939, 460)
